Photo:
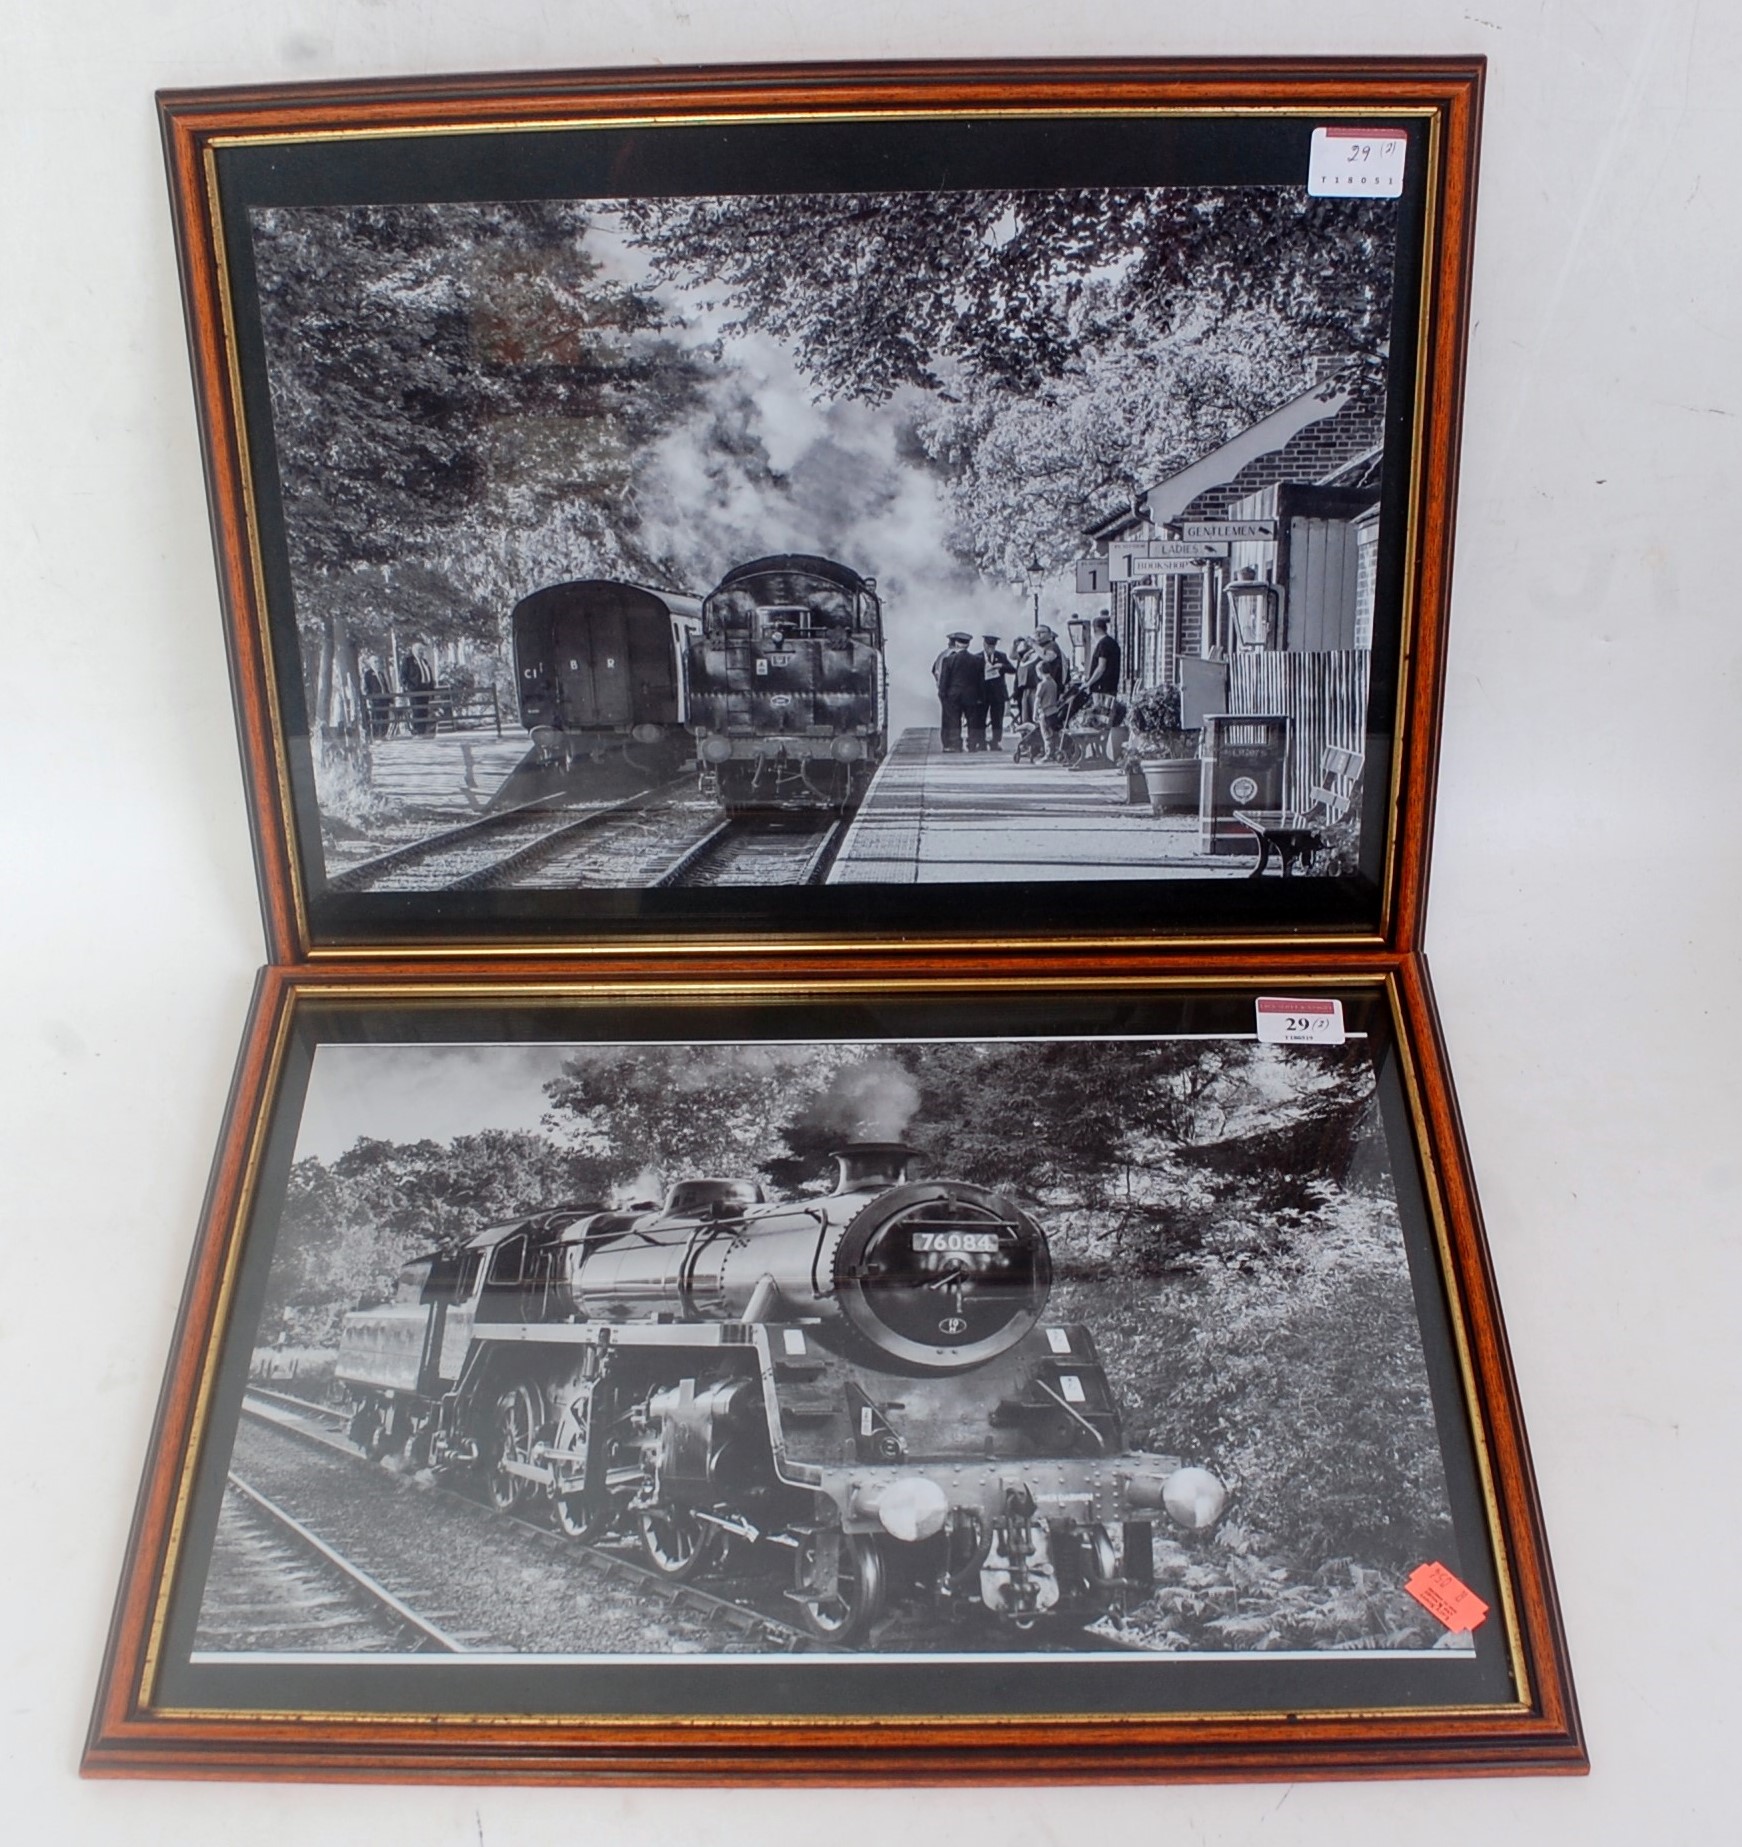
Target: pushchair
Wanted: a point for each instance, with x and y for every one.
(1094, 729)
(1030, 742)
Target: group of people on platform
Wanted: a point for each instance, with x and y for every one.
(978, 687)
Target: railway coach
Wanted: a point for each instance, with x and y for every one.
(602, 670)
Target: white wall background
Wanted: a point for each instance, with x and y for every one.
(1583, 906)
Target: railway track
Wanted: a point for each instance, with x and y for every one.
(512, 846)
(696, 1609)
(782, 851)
(276, 1586)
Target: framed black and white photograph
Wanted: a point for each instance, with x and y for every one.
(991, 510)
(635, 1382)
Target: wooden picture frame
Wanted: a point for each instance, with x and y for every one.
(1365, 1701)
(522, 1311)
(365, 526)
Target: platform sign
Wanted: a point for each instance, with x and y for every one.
(1094, 577)
(1230, 529)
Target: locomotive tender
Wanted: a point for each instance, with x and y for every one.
(788, 692)
(602, 668)
(865, 1379)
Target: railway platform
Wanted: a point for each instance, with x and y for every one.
(453, 774)
(933, 816)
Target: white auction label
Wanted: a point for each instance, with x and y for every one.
(1358, 163)
(1284, 1021)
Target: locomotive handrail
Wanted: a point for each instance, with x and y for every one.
(1071, 1411)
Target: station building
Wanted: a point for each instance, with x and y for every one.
(1247, 578)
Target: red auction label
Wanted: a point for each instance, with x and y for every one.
(1444, 1596)
(1286, 1020)
(1351, 162)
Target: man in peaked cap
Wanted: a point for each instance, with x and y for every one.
(959, 678)
(988, 715)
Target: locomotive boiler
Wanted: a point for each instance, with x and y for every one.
(788, 693)
(602, 670)
(866, 1381)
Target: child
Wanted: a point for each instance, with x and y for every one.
(1049, 714)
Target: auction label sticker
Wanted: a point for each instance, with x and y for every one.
(1444, 1596)
(1357, 163)
(1283, 1021)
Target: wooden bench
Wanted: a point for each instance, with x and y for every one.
(1297, 836)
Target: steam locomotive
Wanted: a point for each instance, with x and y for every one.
(602, 671)
(787, 689)
(865, 1380)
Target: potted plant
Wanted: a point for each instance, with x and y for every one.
(1162, 752)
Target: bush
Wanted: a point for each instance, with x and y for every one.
(1296, 1374)
(343, 789)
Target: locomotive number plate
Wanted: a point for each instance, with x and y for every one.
(781, 660)
(977, 1243)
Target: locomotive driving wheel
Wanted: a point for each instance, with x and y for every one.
(839, 1605)
(677, 1544)
(582, 1512)
(515, 1431)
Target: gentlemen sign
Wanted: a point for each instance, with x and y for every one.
(1227, 529)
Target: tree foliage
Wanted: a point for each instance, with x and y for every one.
(874, 291)
(463, 405)
(349, 1226)
(1028, 473)
(439, 367)
(1055, 351)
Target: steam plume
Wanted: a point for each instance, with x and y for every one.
(871, 1101)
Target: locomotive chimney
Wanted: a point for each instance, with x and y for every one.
(864, 1165)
